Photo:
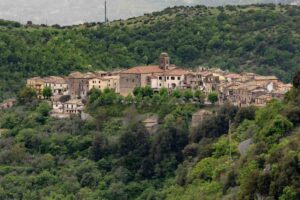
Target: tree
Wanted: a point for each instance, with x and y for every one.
(27, 95)
(99, 148)
(163, 92)
(147, 91)
(200, 96)
(94, 94)
(47, 92)
(289, 193)
(188, 94)
(176, 93)
(137, 91)
(296, 81)
(213, 97)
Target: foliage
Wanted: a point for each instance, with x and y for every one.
(296, 81)
(27, 95)
(260, 38)
(213, 97)
(47, 92)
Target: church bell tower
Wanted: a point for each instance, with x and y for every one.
(164, 61)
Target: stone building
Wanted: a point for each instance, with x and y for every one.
(7, 104)
(140, 76)
(36, 83)
(79, 84)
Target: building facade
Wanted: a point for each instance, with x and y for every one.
(58, 85)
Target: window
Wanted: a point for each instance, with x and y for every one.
(178, 78)
(172, 78)
(167, 78)
(160, 78)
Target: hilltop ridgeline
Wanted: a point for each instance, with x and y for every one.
(259, 38)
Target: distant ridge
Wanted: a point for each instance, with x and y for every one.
(296, 3)
(66, 12)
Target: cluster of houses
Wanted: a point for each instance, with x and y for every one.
(7, 104)
(239, 89)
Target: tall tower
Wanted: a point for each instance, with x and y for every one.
(105, 12)
(164, 61)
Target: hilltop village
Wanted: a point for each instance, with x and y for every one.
(242, 90)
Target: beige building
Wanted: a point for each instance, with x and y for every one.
(57, 105)
(111, 82)
(36, 83)
(58, 85)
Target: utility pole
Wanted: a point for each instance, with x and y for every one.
(105, 11)
(229, 135)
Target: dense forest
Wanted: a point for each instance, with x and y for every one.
(235, 153)
(259, 38)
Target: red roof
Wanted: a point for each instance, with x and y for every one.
(233, 76)
(143, 70)
(176, 72)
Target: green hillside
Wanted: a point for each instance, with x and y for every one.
(264, 39)
(233, 154)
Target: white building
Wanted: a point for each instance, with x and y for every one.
(170, 79)
(74, 106)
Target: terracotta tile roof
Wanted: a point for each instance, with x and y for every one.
(82, 75)
(204, 73)
(37, 78)
(263, 78)
(176, 72)
(76, 75)
(143, 70)
(55, 79)
(153, 76)
(110, 77)
(233, 76)
(89, 75)
(74, 101)
(100, 72)
(248, 74)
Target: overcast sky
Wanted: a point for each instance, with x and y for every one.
(66, 12)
